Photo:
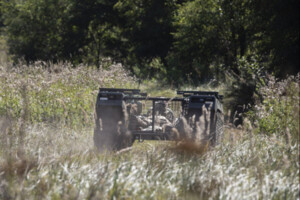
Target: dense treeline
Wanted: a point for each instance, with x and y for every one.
(174, 40)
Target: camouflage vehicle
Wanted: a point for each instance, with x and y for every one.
(126, 115)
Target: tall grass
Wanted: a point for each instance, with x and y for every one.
(57, 93)
(62, 164)
(279, 111)
(40, 160)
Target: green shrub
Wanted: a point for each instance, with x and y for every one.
(242, 86)
(278, 113)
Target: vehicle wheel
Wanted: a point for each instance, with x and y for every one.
(218, 130)
(124, 139)
(112, 137)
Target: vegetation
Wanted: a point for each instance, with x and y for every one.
(56, 93)
(62, 164)
(173, 40)
(47, 148)
(55, 54)
(279, 111)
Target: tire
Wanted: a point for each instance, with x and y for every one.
(219, 128)
(104, 140)
(111, 136)
(123, 139)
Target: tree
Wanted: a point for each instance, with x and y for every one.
(278, 28)
(34, 28)
(198, 40)
(55, 29)
(178, 39)
(94, 22)
(145, 35)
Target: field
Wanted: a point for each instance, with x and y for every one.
(47, 151)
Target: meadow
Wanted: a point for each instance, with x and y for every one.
(47, 150)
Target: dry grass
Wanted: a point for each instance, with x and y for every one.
(57, 93)
(279, 113)
(47, 161)
(196, 139)
(63, 164)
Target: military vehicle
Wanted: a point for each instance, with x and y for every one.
(126, 115)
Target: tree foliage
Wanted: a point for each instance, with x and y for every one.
(35, 28)
(197, 39)
(277, 23)
(177, 40)
(145, 32)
